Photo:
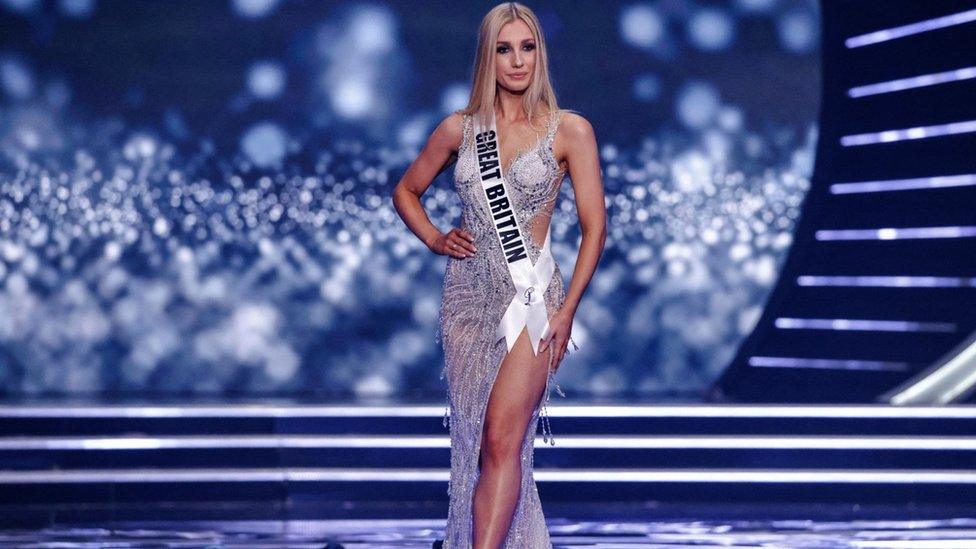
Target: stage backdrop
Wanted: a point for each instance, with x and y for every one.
(195, 196)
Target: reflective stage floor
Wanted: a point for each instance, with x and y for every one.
(798, 527)
(957, 533)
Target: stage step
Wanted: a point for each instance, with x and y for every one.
(78, 454)
(426, 451)
(704, 419)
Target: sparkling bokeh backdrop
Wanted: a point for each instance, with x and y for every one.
(195, 196)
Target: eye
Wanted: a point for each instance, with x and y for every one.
(529, 47)
(502, 49)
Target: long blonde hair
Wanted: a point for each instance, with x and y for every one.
(540, 91)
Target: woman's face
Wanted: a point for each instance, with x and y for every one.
(515, 56)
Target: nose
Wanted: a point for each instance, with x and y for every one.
(518, 59)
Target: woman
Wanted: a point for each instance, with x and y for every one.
(505, 316)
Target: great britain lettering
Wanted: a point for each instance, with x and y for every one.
(501, 208)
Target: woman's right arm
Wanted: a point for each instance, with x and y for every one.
(438, 153)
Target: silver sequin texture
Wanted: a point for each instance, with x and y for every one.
(476, 292)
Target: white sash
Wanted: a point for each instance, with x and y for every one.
(528, 306)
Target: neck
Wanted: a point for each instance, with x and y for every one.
(509, 105)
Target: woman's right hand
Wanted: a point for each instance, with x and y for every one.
(456, 243)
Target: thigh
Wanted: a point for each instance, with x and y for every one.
(518, 387)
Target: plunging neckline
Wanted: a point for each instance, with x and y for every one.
(506, 171)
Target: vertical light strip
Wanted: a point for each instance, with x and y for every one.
(910, 29)
(907, 134)
(888, 281)
(936, 182)
(895, 233)
(868, 325)
(945, 383)
(913, 82)
(825, 363)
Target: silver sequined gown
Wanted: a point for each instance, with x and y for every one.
(476, 292)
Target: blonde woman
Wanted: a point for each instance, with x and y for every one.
(505, 315)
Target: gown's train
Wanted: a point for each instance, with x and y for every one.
(476, 292)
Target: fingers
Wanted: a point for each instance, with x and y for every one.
(455, 249)
(460, 243)
(469, 238)
(559, 348)
(561, 351)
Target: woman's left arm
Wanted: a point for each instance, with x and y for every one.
(584, 172)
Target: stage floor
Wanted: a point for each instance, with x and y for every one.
(794, 527)
(959, 533)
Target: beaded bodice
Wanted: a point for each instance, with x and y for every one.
(533, 177)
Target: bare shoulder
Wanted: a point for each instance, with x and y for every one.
(448, 133)
(574, 137)
(575, 127)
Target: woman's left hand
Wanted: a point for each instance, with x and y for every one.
(560, 326)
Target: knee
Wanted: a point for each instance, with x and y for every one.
(501, 442)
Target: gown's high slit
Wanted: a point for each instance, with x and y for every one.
(476, 292)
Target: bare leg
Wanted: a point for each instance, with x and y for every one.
(517, 391)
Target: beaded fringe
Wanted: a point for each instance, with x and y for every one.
(544, 414)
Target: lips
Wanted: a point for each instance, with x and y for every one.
(519, 75)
